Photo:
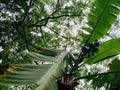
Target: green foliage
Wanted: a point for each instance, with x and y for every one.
(34, 35)
(4, 87)
(101, 17)
(107, 49)
(24, 5)
(43, 74)
(111, 80)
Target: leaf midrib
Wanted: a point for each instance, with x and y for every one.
(52, 69)
(98, 21)
(117, 45)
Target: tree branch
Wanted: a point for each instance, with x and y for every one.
(60, 35)
(43, 36)
(56, 17)
(47, 18)
(26, 41)
(23, 18)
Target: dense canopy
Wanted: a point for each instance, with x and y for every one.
(59, 44)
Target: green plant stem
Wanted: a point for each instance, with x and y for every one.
(81, 55)
(89, 76)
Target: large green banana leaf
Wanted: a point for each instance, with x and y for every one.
(102, 15)
(44, 75)
(107, 49)
(49, 52)
(111, 79)
(48, 81)
(36, 57)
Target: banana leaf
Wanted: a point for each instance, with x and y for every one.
(102, 15)
(44, 75)
(106, 50)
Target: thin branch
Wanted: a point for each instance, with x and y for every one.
(43, 36)
(56, 32)
(60, 35)
(58, 4)
(100, 80)
(67, 15)
(20, 24)
(27, 45)
(47, 18)
(56, 17)
(55, 12)
(23, 18)
(89, 76)
(26, 41)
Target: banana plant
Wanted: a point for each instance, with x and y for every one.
(44, 75)
(56, 70)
